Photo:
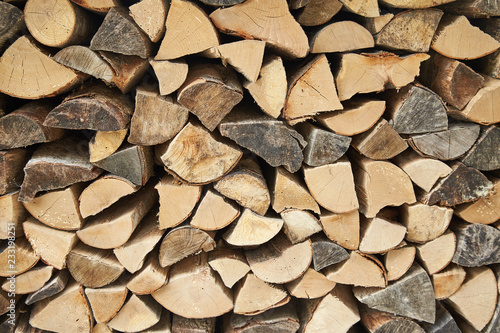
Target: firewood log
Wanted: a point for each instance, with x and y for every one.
(435, 255)
(482, 154)
(398, 261)
(221, 2)
(414, 3)
(363, 8)
(150, 16)
(103, 144)
(444, 322)
(375, 24)
(98, 6)
(191, 325)
(137, 314)
(282, 319)
(326, 252)
(343, 228)
(107, 301)
(231, 265)
(474, 8)
(299, 225)
(54, 286)
(101, 328)
(311, 284)
(343, 36)
(12, 162)
(163, 326)
(31, 280)
(83, 59)
(378, 322)
(171, 74)
(477, 244)
(317, 12)
(485, 210)
(12, 23)
(425, 223)
(12, 215)
(448, 281)
(490, 65)
(25, 257)
(379, 235)
(214, 212)
(128, 70)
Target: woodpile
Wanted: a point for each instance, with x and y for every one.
(249, 166)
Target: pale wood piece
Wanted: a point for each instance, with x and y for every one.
(118, 33)
(12, 215)
(51, 245)
(477, 244)
(288, 191)
(473, 42)
(25, 257)
(380, 184)
(411, 296)
(83, 59)
(398, 261)
(184, 241)
(435, 255)
(192, 281)
(326, 252)
(485, 210)
(364, 73)
(12, 162)
(377, 322)
(163, 326)
(246, 185)
(145, 237)
(150, 16)
(210, 92)
(448, 281)
(375, 24)
(208, 157)
(70, 305)
(367, 8)
(252, 229)
(379, 235)
(336, 311)
(179, 39)
(255, 19)
(177, 201)
(476, 299)
(54, 286)
(299, 225)
(98, 6)
(317, 12)
(107, 301)
(190, 325)
(103, 144)
(128, 70)
(357, 116)
(425, 223)
(11, 24)
(214, 212)
(156, 118)
(343, 228)
(270, 88)
(93, 268)
(381, 142)
(311, 284)
(311, 89)
(281, 319)
(424, 172)
(137, 314)
(482, 154)
(101, 328)
(343, 36)
(31, 280)
(359, 270)
(102, 193)
(414, 4)
(5, 303)
(171, 74)
(332, 186)
(28, 72)
(231, 265)
(253, 296)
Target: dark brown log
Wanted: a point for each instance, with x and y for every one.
(119, 33)
(474, 8)
(490, 65)
(12, 215)
(11, 24)
(382, 322)
(477, 245)
(128, 70)
(56, 165)
(54, 286)
(317, 12)
(326, 252)
(12, 163)
(483, 154)
(190, 325)
(95, 107)
(83, 59)
(444, 322)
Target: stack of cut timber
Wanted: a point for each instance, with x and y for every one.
(249, 166)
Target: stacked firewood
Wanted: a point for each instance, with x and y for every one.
(249, 166)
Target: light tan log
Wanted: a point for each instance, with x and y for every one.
(128, 70)
(164, 325)
(414, 4)
(231, 265)
(287, 191)
(379, 235)
(98, 6)
(398, 261)
(311, 284)
(12, 215)
(343, 228)
(359, 270)
(485, 210)
(150, 16)
(375, 24)
(108, 300)
(425, 223)
(30, 281)
(367, 8)
(214, 212)
(435, 255)
(103, 144)
(101, 328)
(299, 225)
(317, 12)
(83, 59)
(343, 36)
(171, 74)
(448, 281)
(137, 314)
(25, 257)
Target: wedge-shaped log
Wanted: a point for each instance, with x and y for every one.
(288, 191)
(379, 235)
(104, 144)
(414, 3)
(398, 261)
(435, 255)
(150, 16)
(83, 59)
(128, 70)
(299, 225)
(12, 215)
(326, 252)
(448, 281)
(25, 257)
(214, 212)
(54, 286)
(343, 36)
(485, 210)
(12, 24)
(343, 228)
(317, 12)
(97, 6)
(375, 24)
(477, 245)
(191, 325)
(231, 265)
(363, 8)
(482, 155)
(12, 162)
(171, 74)
(108, 300)
(474, 8)
(444, 322)
(311, 284)
(377, 322)
(425, 223)
(137, 314)
(31, 280)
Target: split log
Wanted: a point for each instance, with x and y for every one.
(473, 43)
(190, 325)
(101, 328)
(150, 16)
(343, 228)
(71, 307)
(411, 30)
(357, 116)
(25, 257)
(107, 301)
(490, 65)
(114, 227)
(24, 126)
(381, 142)
(177, 201)
(210, 92)
(253, 296)
(179, 39)
(12, 215)
(83, 59)
(252, 229)
(70, 25)
(379, 235)
(435, 255)
(182, 242)
(250, 129)
(128, 70)
(311, 89)
(362, 8)
(221, 2)
(163, 326)
(12, 162)
(378, 322)
(231, 265)
(11, 24)
(336, 311)
(462, 185)
(317, 12)
(103, 144)
(474, 8)
(477, 245)
(102, 193)
(98, 6)
(30, 281)
(171, 74)
(299, 225)
(208, 158)
(485, 210)
(137, 314)
(359, 270)
(364, 73)
(28, 72)
(414, 3)
(375, 24)
(270, 89)
(214, 212)
(93, 268)
(51, 245)
(119, 33)
(380, 184)
(343, 36)
(448, 144)
(145, 237)
(156, 119)
(192, 281)
(54, 286)
(246, 185)
(241, 20)
(326, 252)
(58, 208)
(482, 154)
(444, 322)
(311, 284)
(411, 296)
(425, 223)
(398, 261)
(280, 261)
(282, 319)
(448, 281)
(476, 299)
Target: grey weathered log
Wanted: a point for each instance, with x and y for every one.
(83, 59)
(271, 139)
(477, 244)
(474, 8)
(221, 2)
(326, 252)
(11, 24)
(317, 12)
(445, 323)
(192, 325)
(55, 285)
(484, 154)
(12, 163)
(382, 322)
